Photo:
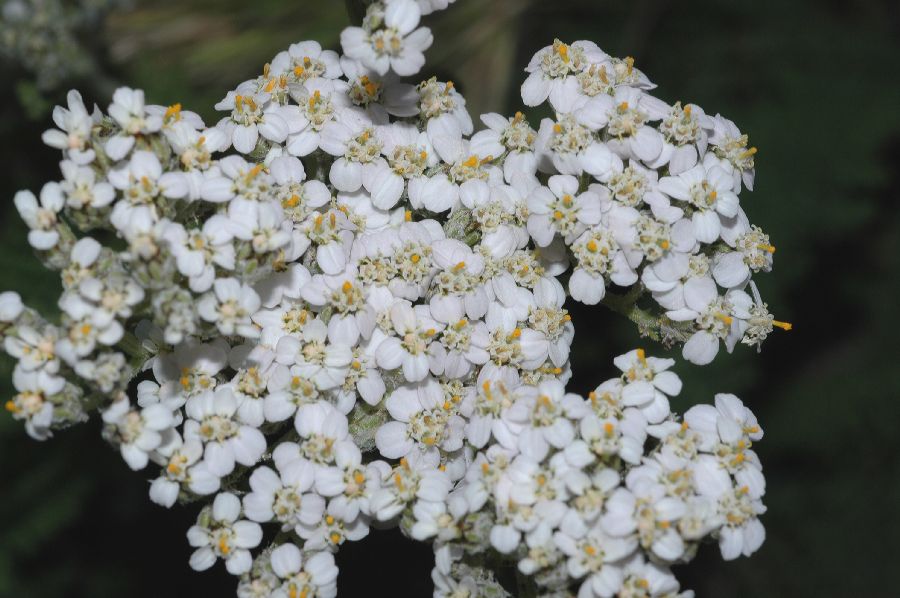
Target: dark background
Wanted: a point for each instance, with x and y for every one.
(813, 82)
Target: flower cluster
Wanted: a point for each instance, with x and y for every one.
(342, 308)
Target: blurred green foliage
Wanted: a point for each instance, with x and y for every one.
(813, 82)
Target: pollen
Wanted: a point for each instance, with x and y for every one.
(358, 477)
(786, 326)
(254, 172)
(769, 248)
(347, 286)
(415, 258)
(173, 111)
(335, 537)
(471, 162)
(11, 407)
(408, 216)
(608, 428)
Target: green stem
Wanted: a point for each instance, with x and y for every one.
(655, 327)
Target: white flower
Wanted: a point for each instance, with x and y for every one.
(128, 110)
(182, 466)
(316, 357)
(315, 575)
(324, 431)
(397, 45)
(303, 61)
(728, 430)
(503, 134)
(82, 188)
(424, 421)
(34, 349)
(32, 403)
(348, 484)
(596, 557)
(648, 384)
(114, 296)
(408, 153)
(254, 116)
(323, 104)
(378, 95)
(728, 143)
(41, 217)
(198, 252)
(571, 148)
(415, 330)
(139, 431)
(219, 534)
(602, 437)
(76, 126)
(236, 178)
(624, 117)
(213, 421)
(599, 256)
(444, 109)
(713, 317)
(552, 74)
(643, 578)
(738, 508)
(355, 143)
(284, 496)
(645, 509)
(195, 147)
(229, 306)
(709, 192)
(754, 254)
(543, 417)
(190, 369)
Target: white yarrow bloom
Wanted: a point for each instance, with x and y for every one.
(398, 45)
(220, 534)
